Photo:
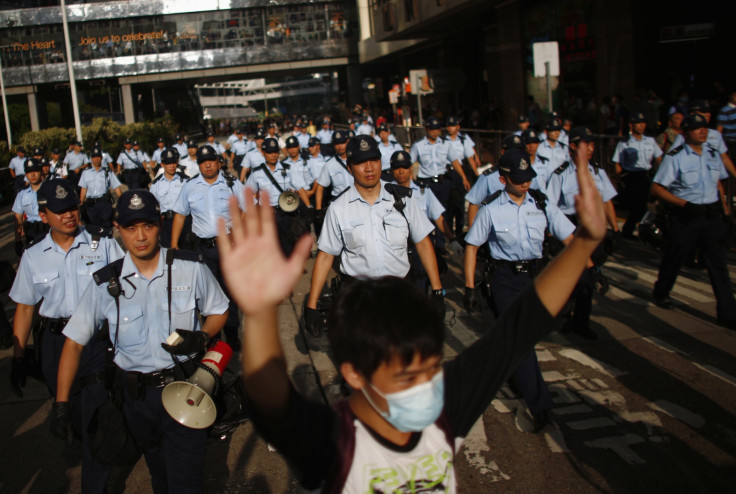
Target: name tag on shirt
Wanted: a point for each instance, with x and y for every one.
(181, 288)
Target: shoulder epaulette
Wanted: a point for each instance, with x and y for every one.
(713, 151)
(540, 198)
(229, 179)
(182, 176)
(397, 190)
(198, 174)
(490, 170)
(338, 195)
(26, 185)
(108, 272)
(562, 144)
(562, 167)
(157, 178)
(98, 231)
(542, 158)
(183, 255)
(676, 150)
(491, 198)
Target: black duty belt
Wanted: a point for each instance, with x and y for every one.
(436, 179)
(209, 243)
(517, 266)
(55, 325)
(91, 201)
(168, 215)
(159, 378)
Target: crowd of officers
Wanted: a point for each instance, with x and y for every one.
(377, 210)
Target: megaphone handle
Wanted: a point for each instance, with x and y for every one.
(215, 375)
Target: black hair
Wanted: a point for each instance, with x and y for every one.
(375, 321)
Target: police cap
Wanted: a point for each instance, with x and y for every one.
(637, 117)
(96, 153)
(362, 148)
(137, 204)
(452, 121)
(339, 137)
(400, 159)
(191, 144)
(136, 143)
(260, 133)
(383, 128)
(57, 195)
(350, 134)
(512, 141)
(20, 149)
(553, 124)
(581, 134)
(206, 153)
(516, 165)
(32, 165)
(523, 119)
(292, 142)
(55, 151)
(178, 137)
(170, 155)
(313, 141)
(238, 131)
(700, 106)
(37, 151)
(433, 123)
(694, 121)
(127, 141)
(530, 136)
(160, 139)
(270, 145)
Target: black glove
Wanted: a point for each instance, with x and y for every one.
(192, 342)
(470, 300)
(438, 302)
(309, 215)
(61, 421)
(319, 216)
(312, 321)
(18, 248)
(18, 374)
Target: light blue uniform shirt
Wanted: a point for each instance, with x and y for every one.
(17, 165)
(106, 159)
(128, 159)
(636, 155)
(333, 173)
(303, 138)
(488, 183)
(715, 139)
(206, 203)
(562, 187)
(433, 158)
(555, 156)
(371, 240)
(463, 143)
(75, 160)
(364, 129)
(219, 148)
(182, 148)
(240, 147)
(313, 169)
(144, 311)
(692, 176)
(386, 151)
(325, 136)
(258, 180)
(253, 159)
(98, 183)
(516, 232)
(60, 278)
(156, 156)
(427, 201)
(167, 191)
(232, 138)
(26, 202)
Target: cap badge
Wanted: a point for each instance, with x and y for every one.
(517, 140)
(523, 165)
(364, 146)
(61, 192)
(400, 157)
(136, 202)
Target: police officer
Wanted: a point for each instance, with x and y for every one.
(76, 161)
(95, 184)
(276, 178)
(522, 123)
(633, 160)
(369, 226)
(131, 164)
(514, 222)
(219, 148)
(106, 158)
(188, 162)
(145, 297)
(531, 141)
(57, 169)
(465, 145)
(239, 148)
(254, 157)
(156, 155)
(562, 188)
(25, 207)
(325, 137)
(688, 182)
(180, 145)
(56, 271)
(16, 168)
(335, 173)
(551, 149)
(305, 177)
(206, 197)
(387, 148)
(300, 132)
(166, 188)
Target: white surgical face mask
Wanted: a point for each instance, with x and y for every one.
(413, 409)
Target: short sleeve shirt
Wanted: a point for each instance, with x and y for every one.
(258, 180)
(636, 154)
(98, 183)
(434, 158)
(563, 187)
(335, 174)
(208, 202)
(17, 165)
(167, 191)
(75, 160)
(27, 203)
(692, 176)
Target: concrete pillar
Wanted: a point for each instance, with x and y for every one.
(128, 108)
(355, 85)
(33, 111)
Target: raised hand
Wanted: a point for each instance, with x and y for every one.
(257, 274)
(588, 203)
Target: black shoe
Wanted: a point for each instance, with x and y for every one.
(663, 302)
(540, 421)
(6, 341)
(586, 333)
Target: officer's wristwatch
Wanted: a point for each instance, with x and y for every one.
(441, 292)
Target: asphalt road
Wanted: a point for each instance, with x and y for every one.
(649, 406)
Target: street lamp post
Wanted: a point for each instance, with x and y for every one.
(5, 106)
(70, 67)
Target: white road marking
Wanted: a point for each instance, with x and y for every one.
(35, 420)
(554, 376)
(606, 398)
(476, 443)
(587, 361)
(562, 395)
(648, 277)
(680, 413)
(664, 346)
(717, 373)
(555, 440)
(620, 445)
